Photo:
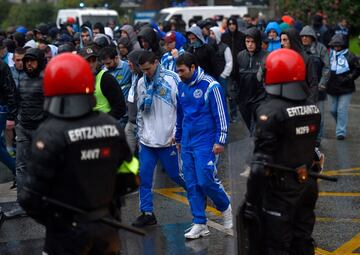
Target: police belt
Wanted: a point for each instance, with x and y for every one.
(302, 172)
(89, 216)
(79, 211)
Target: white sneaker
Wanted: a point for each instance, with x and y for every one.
(197, 230)
(227, 218)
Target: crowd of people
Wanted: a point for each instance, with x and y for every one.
(174, 92)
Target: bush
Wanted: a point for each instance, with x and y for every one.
(29, 15)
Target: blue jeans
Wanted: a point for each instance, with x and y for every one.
(339, 110)
(4, 155)
(321, 105)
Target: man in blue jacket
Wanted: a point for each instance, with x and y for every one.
(201, 132)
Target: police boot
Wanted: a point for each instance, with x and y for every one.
(15, 212)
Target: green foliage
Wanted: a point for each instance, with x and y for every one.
(355, 45)
(75, 3)
(29, 15)
(334, 9)
(4, 10)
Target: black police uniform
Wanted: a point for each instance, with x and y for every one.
(285, 135)
(75, 161)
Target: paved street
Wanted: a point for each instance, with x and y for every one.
(337, 229)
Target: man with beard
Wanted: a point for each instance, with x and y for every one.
(30, 114)
(201, 133)
(108, 94)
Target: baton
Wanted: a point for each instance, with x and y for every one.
(288, 169)
(108, 221)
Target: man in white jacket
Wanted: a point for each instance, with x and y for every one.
(156, 122)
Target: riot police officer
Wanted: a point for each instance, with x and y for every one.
(75, 158)
(280, 204)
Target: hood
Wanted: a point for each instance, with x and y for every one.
(131, 33)
(30, 44)
(284, 26)
(217, 33)
(126, 42)
(180, 40)
(54, 49)
(150, 36)
(109, 32)
(91, 36)
(197, 32)
(37, 54)
(232, 21)
(133, 56)
(273, 26)
(295, 40)
(337, 40)
(309, 31)
(254, 33)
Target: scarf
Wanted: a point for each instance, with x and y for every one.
(151, 86)
(338, 61)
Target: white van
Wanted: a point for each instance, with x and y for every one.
(82, 15)
(200, 12)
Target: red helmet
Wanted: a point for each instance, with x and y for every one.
(68, 74)
(70, 20)
(68, 86)
(285, 74)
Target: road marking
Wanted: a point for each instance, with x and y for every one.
(326, 219)
(340, 194)
(349, 247)
(319, 251)
(347, 171)
(171, 193)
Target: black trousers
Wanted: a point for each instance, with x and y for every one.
(289, 217)
(64, 238)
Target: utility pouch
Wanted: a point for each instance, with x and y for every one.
(302, 174)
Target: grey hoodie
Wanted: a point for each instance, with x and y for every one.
(132, 36)
(318, 52)
(197, 32)
(307, 30)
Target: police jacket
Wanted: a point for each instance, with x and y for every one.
(31, 102)
(74, 161)
(7, 90)
(286, 131)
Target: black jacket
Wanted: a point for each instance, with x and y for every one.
(113, 93)
(286, 131)
(205, 57)
(7, 90)
(152, 38)
(30, 97)
(344, 83)
(250, 90)
(236, 42)
(76, 162)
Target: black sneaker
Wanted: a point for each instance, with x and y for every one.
(340, 137)
(145, 220)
